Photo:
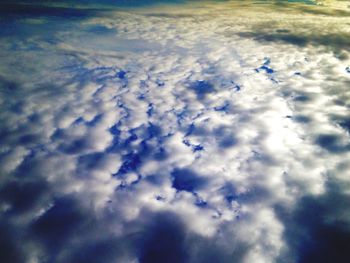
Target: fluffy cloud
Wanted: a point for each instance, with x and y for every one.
(191, 133)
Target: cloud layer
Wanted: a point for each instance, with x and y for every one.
(199, 132)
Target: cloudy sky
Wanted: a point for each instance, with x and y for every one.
(174, 131)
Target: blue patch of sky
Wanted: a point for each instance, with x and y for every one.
(187, 180)
(223, 108)
(131, 162)
(265, 67)
(194, 147)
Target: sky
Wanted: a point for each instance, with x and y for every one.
(174, 131)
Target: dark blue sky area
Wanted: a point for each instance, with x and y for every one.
(109, 2)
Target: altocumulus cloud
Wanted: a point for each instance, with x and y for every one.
(201, 132)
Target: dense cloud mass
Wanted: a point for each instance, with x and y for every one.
(189, 132)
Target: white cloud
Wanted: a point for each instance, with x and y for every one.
(177, 112)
